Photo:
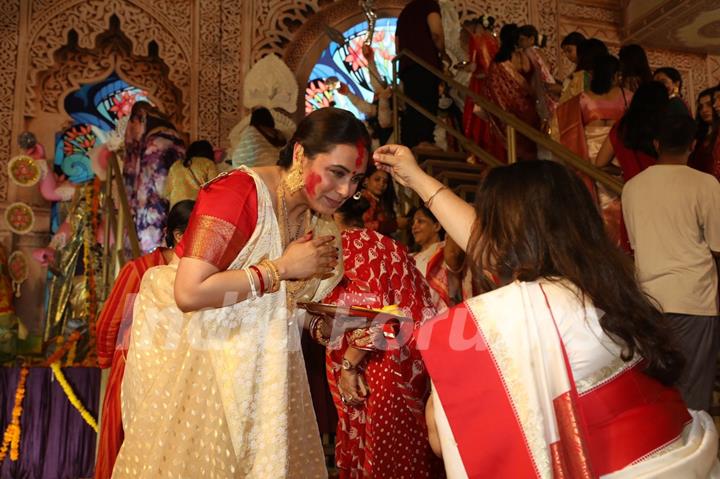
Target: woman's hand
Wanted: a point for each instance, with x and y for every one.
(307, 257)
(353, 387)
(400, 162)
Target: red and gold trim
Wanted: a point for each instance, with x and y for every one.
(213, 240)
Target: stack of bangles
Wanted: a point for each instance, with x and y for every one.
(265, 270)
(315, 329)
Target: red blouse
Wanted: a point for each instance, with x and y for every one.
(222, 221)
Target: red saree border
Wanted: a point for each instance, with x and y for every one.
(475, 399)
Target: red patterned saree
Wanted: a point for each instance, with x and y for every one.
(387, 436)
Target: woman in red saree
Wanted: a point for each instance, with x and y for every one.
(380, 193)
(508, 86)
(482, 48)
(381, 432)
(430, 260)
(113, 334)
(567, 368)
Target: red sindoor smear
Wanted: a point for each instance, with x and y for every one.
(361, 153)
(311, 184)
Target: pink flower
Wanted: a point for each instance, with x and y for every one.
(355, 57)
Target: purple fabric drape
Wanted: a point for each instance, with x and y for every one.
(55, 442)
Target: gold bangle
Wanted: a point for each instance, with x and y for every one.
(273, 273)
(428, 203)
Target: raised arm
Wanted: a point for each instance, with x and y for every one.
(454, 214)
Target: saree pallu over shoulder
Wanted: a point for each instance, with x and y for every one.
(515, 411)
(221, 392)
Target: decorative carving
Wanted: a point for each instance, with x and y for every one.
(231, 72)
(713, 68)
(277, 21)
(592, 12)
(112, 53)
(90, 18)
(9, 35)
(211, 57)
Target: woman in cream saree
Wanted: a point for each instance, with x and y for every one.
(215, 384)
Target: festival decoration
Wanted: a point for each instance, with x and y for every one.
(11, 437)
(20, 218)
(23, 170)
(18, 269)
(346, 61)
(72, 397)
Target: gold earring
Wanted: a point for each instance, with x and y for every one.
(294, 180)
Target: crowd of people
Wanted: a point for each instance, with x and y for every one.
(552, 329)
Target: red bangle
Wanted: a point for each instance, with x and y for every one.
(262, 281)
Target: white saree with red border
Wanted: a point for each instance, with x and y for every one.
(526, 384)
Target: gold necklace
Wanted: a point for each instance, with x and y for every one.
(292, 287)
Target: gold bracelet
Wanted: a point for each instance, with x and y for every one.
(428, 203)
(274, 275)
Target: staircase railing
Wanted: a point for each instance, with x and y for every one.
(118, 223)
(513, 125)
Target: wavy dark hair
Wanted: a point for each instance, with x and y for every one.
(509, 36)
(703, 128)
(588, 51)
(634, 63)
(525, 231)
(322, 130)
(638, 126)
(603, 72)
(177, 220)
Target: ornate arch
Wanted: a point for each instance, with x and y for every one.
(112, 52)
(52, 20)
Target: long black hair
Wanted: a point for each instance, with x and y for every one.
(262, 120)
(588, 51)
(525, 231)
(604, 72)
(322, 130)
(702, 127)
(634, 63)
(509, 36)
(638, 126)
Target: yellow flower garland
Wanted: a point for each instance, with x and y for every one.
(67, 389)
(11, 438)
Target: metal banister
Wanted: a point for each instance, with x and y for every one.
(513, 124)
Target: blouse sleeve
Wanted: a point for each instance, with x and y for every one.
(222, 221)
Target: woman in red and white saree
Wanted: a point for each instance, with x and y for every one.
(482, 48)
(215, 382)
(113, 334)
(508, 85)
(567, 369)
(384, 435)
(430, 260)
